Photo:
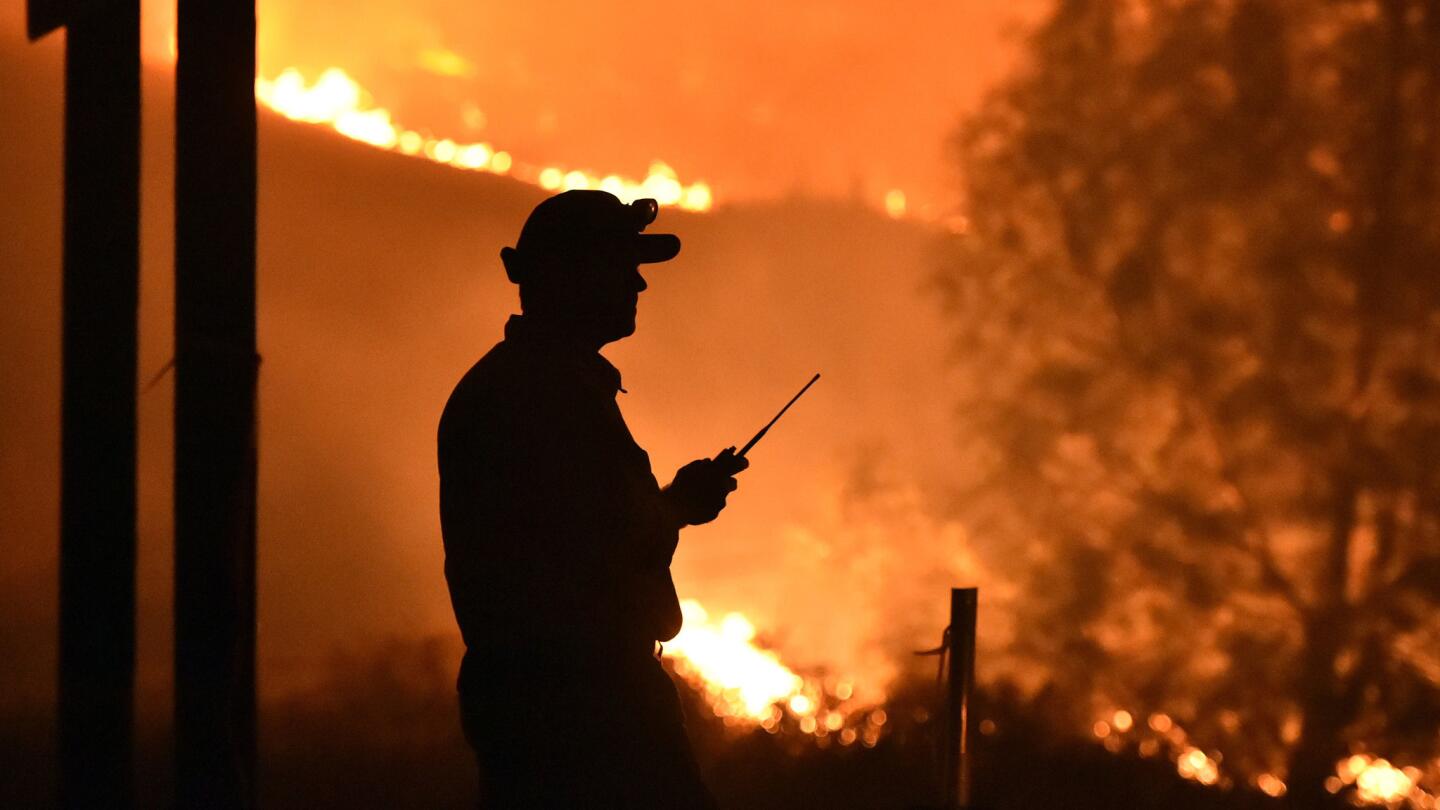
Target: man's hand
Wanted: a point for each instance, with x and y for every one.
(698, 492)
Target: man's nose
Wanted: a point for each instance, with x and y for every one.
(637, 281)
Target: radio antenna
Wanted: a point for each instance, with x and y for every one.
(768, 425)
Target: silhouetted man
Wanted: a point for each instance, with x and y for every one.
(558, 538)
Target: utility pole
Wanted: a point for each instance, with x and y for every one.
(216, 370)
(101, 270)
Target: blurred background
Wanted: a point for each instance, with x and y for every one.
(1128, 312)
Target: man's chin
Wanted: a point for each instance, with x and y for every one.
(620, 330)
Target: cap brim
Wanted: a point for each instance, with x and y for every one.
(656, 247)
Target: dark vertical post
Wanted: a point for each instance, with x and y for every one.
(215, 396)
(97, 434)
(960, 681)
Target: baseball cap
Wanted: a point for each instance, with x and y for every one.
(584, 222)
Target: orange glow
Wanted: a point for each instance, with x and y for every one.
(1340, 221)
(895, 203)
(338, 101)
(445, 62)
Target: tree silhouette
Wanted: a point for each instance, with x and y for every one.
(1196, 302)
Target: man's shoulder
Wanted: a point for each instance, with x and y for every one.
(497, 368)
(486, 382)
(508, 379)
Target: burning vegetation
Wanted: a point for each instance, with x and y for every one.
(1199, 305)
(336, 100)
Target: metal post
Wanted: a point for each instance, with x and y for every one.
(960, 680)
(97, 434)
(215, 396)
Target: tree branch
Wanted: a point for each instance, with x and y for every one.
(1260, 549)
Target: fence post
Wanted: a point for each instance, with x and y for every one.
(960, 681)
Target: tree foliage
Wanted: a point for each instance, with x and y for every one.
(1197, 313)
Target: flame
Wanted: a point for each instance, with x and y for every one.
(746, 681)
(747, 684)
(337, 100)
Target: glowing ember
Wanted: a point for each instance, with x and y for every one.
(1370, 780)
(1196, 764)
(1270, 785)
(340, 102)
(1122, 721)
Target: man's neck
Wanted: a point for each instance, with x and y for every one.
(566, 330)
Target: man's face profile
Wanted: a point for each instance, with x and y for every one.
(596, 296)
(611, 287)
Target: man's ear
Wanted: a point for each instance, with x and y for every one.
(514, 266)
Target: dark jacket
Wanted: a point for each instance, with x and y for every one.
(556, 533)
